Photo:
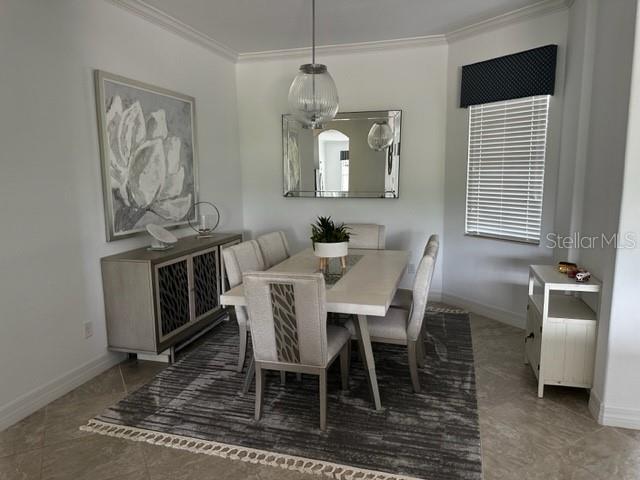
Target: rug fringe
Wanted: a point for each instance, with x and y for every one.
(244, 454)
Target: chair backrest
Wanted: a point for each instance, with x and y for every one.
(288, 317)
(421, 285)
(367, 235)
(275, 248)
(241, 258)
(432, 246)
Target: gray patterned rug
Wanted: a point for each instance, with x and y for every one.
(195, 405)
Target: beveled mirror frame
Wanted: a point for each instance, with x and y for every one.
(290, 157)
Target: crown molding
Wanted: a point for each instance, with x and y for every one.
(345, 48)
(537, 9)
(172, 24)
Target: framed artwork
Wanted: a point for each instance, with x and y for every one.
(148, 155)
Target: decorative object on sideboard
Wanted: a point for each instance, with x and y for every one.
(313, 96)
(563, 267)
(208, 219)
(148, 155)
(163, 239)
(330, 240)
(380, 136)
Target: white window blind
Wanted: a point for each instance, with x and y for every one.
(505, 171)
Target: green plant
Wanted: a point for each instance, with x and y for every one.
(326, 230)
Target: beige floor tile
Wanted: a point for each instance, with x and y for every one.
(26, 435)
(635, 434)
(137, 373)
(23, 466)
(109, 382)
(64, 417)
(166, 463)
(92, 458)
(555, 467)
(608, 454)
(138, 475)
(523, 430)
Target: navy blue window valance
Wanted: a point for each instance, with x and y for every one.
(524, 74)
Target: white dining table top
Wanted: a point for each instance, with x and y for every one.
(367, 288)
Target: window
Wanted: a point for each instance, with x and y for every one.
(505, 170)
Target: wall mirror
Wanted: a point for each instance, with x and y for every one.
(356, 155)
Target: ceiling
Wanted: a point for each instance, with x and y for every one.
(263, 25)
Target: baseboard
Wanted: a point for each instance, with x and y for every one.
(37, 398)
(505, 316)
(613, 416)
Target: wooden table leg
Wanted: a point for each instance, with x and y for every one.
(364, 345)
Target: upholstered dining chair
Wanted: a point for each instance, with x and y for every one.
(288, 317)
(367, 236)
(404, 296)
(274, 247)
(238, 259)
(402, 327)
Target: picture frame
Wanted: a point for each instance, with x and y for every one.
(148, 155)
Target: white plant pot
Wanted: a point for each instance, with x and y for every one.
(331, 250)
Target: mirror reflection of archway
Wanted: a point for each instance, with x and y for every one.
(333, 161)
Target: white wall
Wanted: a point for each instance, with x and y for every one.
(411, 79)
(486, 275)
(50, 187)
(616, 385)
(621, 399)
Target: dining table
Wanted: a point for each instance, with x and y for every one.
(364, 288)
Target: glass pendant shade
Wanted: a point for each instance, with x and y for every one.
(380, 136)
(313, 96)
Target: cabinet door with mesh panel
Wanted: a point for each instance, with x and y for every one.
(173, 296)
(206, 283)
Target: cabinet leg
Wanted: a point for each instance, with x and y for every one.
(540, 389)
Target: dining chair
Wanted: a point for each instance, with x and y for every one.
(404, 296)
(288, 317)
(274, 247)
(367, 236)
(238, 259)
(402, 327)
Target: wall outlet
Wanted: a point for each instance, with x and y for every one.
(88, 329)
(411, 268)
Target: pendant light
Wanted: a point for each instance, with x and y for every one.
(380, 136)
(313, 97)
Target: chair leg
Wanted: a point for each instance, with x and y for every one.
(420, 351)
(323, 400)
(260, 378)
(413, 365)
(344, 365)
(248, 378)
(283, 377)
(243, 346)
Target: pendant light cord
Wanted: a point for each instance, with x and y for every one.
(313, 52)
(313, 31)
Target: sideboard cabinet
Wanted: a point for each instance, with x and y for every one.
(560, 338)
(157, 299)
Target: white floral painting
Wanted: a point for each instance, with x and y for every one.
(148, 155)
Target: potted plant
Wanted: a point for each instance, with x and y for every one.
(330, 240)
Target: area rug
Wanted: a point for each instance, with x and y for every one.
(196, 405)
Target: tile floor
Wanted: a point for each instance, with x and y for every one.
(523, 437)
